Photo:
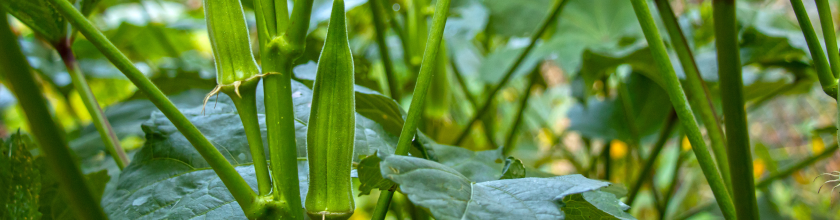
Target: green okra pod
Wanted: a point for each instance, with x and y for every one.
(332, 121)
(237, 75)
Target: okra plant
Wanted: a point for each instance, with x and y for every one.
(416, 109)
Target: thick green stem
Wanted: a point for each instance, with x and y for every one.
(828, 152)
(421, 89)
(647, 169)
(295, 34)
(232, 180)
(680, 103)
(509, 140)
(246, 106)
(277, 60)
(49, 136)
(827, 24)
(827, 81)
(112, 142)
(280, 121)
(731, 88)
(555, 11)
(695, 88)
(379, 25)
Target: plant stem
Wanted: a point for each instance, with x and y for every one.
(418, 101)
(796, 167)
(463, 83)
(731, 88)
(827, 81)
(647, 168)
(280, 45)
(696, 89)
(109, 138)
(246, 106)
(49, 136)
(379, 212)
(629, 114)
(555, 11)
(523, 104)
(827, 24)
(232, 180)
(379, 25)
(673, 186)
(680, 103)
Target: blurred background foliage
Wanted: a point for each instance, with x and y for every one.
(573, 121)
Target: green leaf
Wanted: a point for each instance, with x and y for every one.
(516, 18)
(450, 195)
(603, 25)
(370, 177)
(604, 119)
(167, 178)
(20, 180)
(594, 205)
(40, 16)
(53, 203)
(87, 6)
(513, 169)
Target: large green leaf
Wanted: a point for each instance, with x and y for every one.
(167, 178)
(40, 16)
(450, 195)
(603, 25)
(20, 181)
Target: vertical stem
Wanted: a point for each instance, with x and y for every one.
(827, 80)
(674, 178)
(278, 52)
(680, 103)
(47, 133)
(463, 83)
(647, 168)
(418, 101)
(695, 88)
(509, 141)
(246, 106)
(112, 142)
(555, 11)
(629, 113)
(232, 180)
(731, 88)
(379, 25)
(827, 24)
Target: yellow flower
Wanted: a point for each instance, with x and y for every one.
(686, 145)
(618, 149)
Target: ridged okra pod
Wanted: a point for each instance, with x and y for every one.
(237, 74)
(331, 131)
